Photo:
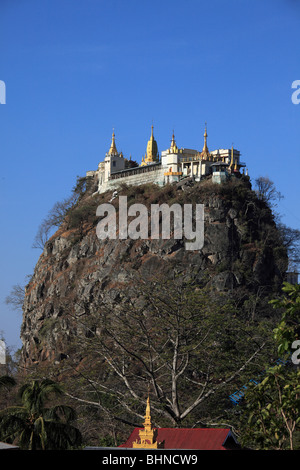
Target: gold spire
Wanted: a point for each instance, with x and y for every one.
(152, 147)
(151, 155)
(147, 422)
(147, 435)
(173, 147)
(113, 148)
(233, 163)
(205, 155)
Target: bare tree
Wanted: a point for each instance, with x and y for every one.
(42, 235)
(266, 190)
(291, 241)
(16, 298)
(53, 220)
(183, 342)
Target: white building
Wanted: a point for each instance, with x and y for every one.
(173, 165)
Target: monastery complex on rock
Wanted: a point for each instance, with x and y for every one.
(171, 166)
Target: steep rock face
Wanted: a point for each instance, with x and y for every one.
(77, 272)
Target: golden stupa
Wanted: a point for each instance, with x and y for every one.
(151, 155)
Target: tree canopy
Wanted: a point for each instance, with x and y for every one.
(186, 345)
(271, 411)
(33, 426)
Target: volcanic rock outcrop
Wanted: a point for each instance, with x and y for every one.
(77, 271)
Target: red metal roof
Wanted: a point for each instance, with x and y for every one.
(190, 438)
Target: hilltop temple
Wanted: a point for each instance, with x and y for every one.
(171, 166)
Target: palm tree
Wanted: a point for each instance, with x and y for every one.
(6, 381)
(35, 426)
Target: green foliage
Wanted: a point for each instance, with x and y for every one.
(80, 186)
(271, 412)
(33, 426)
(83, 214)
(7, 382)
(289, 327)
(48, 325)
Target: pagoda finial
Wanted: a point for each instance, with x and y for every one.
(151, 155)
(113, 148)
(147, 421)
(205, 152)
(173, 147)
(147, 435)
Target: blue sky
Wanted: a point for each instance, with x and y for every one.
(76, 69)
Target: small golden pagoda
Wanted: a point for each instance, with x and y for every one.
(173, 147)
(113, 148)
(234, 167)
(147, 435)
(205, 154)
(151, 155)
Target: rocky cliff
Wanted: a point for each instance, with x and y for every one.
(242, 255)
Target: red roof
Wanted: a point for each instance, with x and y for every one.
(190, 438)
